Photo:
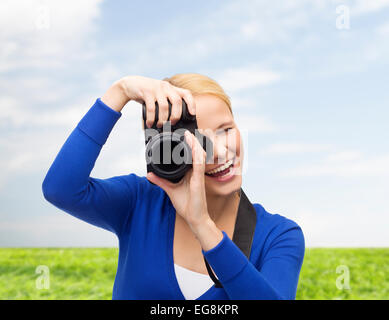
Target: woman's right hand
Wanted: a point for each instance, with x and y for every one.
(148, 90)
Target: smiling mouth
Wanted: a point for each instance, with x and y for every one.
(221, 170)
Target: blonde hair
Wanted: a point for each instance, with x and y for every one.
(199, 84)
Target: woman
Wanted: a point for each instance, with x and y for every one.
(173, 237)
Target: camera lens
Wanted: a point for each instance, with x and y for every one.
(169, 155)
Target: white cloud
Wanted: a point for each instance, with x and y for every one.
(343, 156)
(250, 29)
(124, 150)
(131, 161)
(16, 113)
(342, 226)
(43, 34)
(263, 22)
(67, 231)
(242, 102)
(48, 131)
(235, 79)
(106, 75)
(383, 29)
(47, 35)
(363, 6)
(293, 148)
(344, 166)
(255, 124)
(233, 27)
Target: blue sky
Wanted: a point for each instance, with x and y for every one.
(310, 96)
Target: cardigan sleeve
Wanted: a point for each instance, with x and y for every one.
(277, 276)
(105, 203)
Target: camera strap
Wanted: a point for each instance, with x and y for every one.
(243, 232)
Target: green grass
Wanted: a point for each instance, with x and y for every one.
(368, 271)
(77, 273)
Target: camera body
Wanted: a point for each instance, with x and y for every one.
(167, 153)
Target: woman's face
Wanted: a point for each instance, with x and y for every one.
(224, 175)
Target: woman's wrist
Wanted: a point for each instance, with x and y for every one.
(207, 233)
(115, 97)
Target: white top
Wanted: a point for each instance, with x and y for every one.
(192, 284)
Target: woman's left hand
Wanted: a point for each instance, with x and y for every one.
(188, 195)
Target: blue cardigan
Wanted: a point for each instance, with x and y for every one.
(142, 216)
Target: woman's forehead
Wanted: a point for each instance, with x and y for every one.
(211, 112)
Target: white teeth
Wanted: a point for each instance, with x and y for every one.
(221, 168)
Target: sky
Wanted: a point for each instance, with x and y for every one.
(308, 81)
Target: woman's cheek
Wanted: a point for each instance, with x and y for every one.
(239, 151)
(234, 142)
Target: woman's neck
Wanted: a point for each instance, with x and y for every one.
(222, 206)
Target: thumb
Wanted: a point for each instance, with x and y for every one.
(198, 156)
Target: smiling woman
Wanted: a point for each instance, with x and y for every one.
(204, 223)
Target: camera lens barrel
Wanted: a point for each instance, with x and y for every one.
(168, 156)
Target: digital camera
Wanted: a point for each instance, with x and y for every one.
(167, 153)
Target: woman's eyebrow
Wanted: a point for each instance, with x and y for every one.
(224, 124)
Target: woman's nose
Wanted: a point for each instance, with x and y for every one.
(220, 152)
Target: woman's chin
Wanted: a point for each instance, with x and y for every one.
(224, 186)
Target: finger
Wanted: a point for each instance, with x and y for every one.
(176, 101)
(163, 109)
(188, 97)
(150, 110)
(160, 182)
(198, 155)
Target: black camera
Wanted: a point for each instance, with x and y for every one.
(167, 153)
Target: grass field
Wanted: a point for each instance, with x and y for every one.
(85, 273)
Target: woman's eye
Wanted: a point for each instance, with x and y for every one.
(224, 130)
